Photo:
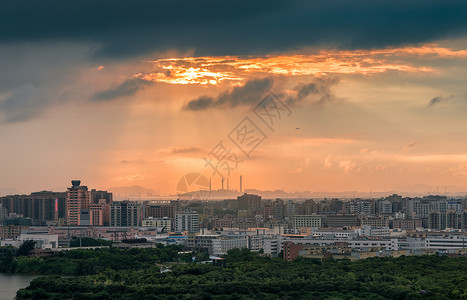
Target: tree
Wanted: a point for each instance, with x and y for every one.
(6, 260)
(26, 247)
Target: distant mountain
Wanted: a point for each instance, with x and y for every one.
(132, 190)
(430, 189)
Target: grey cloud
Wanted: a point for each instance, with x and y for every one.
(319, 90)
(127, 88)
(200, 103)
(23, 104)
(249, 93)
(34, 77)
(439, 99)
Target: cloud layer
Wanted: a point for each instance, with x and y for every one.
(317, 90)
(439, 99)
(248, 93)
(123, 28)
(128, 88)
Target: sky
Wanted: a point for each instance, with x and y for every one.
(295, 95)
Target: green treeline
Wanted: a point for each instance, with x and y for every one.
(88, 262)
(133, 274)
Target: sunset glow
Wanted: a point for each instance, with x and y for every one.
(367, 106)
(235, 69)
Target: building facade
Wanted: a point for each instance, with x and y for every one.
(187, 220)
(126, 214)
(310, 221)
(78, 198)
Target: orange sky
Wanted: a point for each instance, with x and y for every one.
(390, 117)
(376, 133)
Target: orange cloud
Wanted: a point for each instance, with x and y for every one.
(236, 69)
(130, 177)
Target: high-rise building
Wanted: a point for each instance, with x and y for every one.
(98, 214)
(162, 209)
(3, 212)
(87, 207)
(126, 214)
(39, 206)
(360, 207)
(78, 198)
(249, 202)
(187, 220)
(384, 207)
(97, 196)
(443, 220)
(278, 209)
(268, 212)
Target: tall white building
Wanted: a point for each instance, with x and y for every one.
(187, 220)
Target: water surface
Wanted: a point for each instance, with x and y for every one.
(11, 283)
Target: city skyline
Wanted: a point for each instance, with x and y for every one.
(233, 149)
(374, 98)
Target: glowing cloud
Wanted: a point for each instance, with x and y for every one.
(236, 69)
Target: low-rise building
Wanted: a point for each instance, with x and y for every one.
(158, 222)
(43, 239)
(375, 222)
(11, 231)
(340, 221)
(312, 221)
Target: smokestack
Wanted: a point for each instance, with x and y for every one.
(241, 187)
(222, 183)
(227, 183)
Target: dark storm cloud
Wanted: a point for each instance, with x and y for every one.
(127, 88)
(248, 93)
(213, 27)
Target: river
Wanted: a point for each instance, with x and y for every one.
(10, 283)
